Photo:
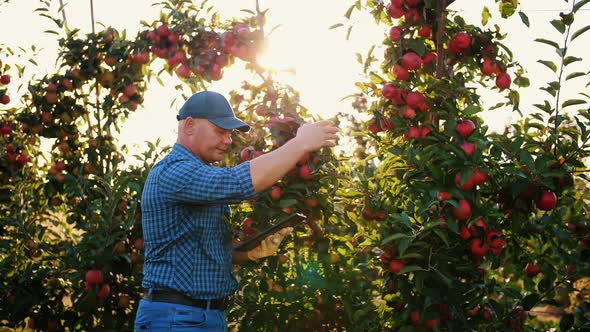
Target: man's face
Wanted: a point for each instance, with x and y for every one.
(208, 141)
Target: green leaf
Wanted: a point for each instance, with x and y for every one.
(550, 64)
(471, 109)
(579, 32)
(566, 323)
(376, 79)
(572, 102)
(574, 75)
(526, 158)
(559, 25)
(524, 19)
(394, 237)
(507, 9)
(522, 81)
(287, 202)
(570, 59)
(417, 45)
(548, 42)
(442, 236)
(529, 301)
(410, 268)
(485, 15)
(349, 12)
(579, 5)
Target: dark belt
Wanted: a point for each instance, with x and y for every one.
(170, 296)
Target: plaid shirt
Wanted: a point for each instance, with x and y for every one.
(184, 209)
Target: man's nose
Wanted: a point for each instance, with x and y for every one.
(227, 139)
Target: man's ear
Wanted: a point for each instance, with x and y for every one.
(187, 126)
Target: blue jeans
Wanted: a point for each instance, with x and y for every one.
(170, 317)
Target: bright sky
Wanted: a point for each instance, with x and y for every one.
(325, 64)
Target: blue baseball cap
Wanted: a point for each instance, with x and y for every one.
(214, 107)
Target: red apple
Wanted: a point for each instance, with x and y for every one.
(183, 71)
(400, 72)
(394, 11)
(246, 153)
(468, 148)
(503, 81)
(464, 210)
(104, 291)
(425, 31)
(395, 33)
(162, 30)
(479, 177)
(411, 61)
(415, 317)
(5, 99)
(413, 132)
(94, 277)
(5, 79)
(275, 193)
(414, 99)
(465, 127)
(374, 127)
(305, 172)
(424, 131)
(428, 58)
(465, 186)
(463, 40)
(532, 269)
(464, 232)
(138, 243)
(388, 91)
(478, 248)
(547, 200)
(444, 195)
(412, 16)
(409, 113)
(396, 265)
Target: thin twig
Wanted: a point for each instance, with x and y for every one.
(63, 11)
(559, 80)
(440, 64)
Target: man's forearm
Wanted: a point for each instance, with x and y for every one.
(271, 167)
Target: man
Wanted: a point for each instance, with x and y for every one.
(188, 275)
